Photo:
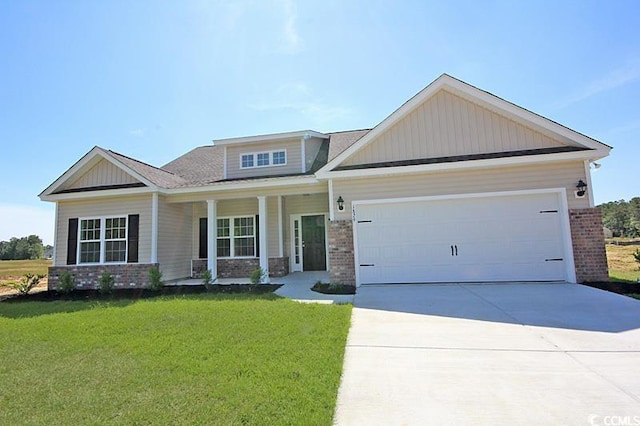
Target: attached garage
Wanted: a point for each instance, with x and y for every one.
(475, 238)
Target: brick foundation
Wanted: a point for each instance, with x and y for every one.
(242, 268)
(130, 275)
(341, 257)
(588, 245)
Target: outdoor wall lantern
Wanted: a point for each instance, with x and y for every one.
(581, 188)
(340, 202)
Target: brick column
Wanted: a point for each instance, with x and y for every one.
(341, 260)
(588, 245)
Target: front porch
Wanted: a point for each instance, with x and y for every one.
(279, 234)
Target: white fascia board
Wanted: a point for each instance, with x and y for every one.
(473, 93)
(98, 194)
(81, 163)
(459, 165)
(86, 160)
(271, 137)
(232, 186)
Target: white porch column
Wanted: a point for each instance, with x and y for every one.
(280, 233)
(212, 246)
(154, 228)
(264, 235)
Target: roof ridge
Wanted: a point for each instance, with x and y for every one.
(349, 131)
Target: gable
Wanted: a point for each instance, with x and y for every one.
(447, 125)
(103, 173)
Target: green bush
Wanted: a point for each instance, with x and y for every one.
(26, 283)
(67, 283)
(256, 276)
(207, 279)
(155, 278)
(105, 283)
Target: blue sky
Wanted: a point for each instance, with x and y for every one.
(154, 79)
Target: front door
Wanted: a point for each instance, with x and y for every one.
(314, 255)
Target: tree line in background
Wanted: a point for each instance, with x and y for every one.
(622, 217)
(24, 248)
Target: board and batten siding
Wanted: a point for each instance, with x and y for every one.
(527, 177)
(448, 125)
(103, 173)
(294, 160)
(120, 206)
(174, 239)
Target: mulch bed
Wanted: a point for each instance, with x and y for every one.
(142, 293)
(616, 287)
(333, 288)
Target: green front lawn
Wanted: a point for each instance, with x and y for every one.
(205, 359)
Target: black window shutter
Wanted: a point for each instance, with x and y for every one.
(72, 242)
(256, 227)
(203, 246)
(132, 238)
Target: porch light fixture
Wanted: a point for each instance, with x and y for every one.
(340, 202)
(581, 188)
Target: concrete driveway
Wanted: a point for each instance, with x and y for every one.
(491, 354)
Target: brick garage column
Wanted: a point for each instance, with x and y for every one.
(589, 252)
(341, 258)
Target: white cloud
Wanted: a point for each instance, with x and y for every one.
(299, 97)
(19, 220)
(291, 40)
(137, 132)
(614, 79)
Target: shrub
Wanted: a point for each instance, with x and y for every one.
(256, 276)
(67, 283)
(155, 278)
(105, 283)
(207, 279)
(636, 256)
(26, 283)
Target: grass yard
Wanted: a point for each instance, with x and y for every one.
(202, 359)
(622, 265)
(11, 269)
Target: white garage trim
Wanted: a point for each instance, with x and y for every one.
(562, 211)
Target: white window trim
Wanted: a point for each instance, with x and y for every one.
(232, 237)
(254, 155)
(102, 241)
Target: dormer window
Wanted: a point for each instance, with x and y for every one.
(263, 159)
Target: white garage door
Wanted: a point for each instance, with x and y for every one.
(498, 238)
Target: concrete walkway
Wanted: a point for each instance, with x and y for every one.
(297, 286)
(501, 354)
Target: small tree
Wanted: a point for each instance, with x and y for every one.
(67, 283)
(105, 283)
(256, 276)
(26, 283)
(636, 256)
(207, 279)
(155, 279)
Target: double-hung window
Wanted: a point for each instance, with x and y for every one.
(103, 240)
(263, 159)
(236, 237)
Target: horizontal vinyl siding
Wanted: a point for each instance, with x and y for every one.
(294, 160)
(240, 207)
(174, 239)
(301, 204)
(554, 175)
(448, 125)
(103, 173)
(312, 146)
(104, 207)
